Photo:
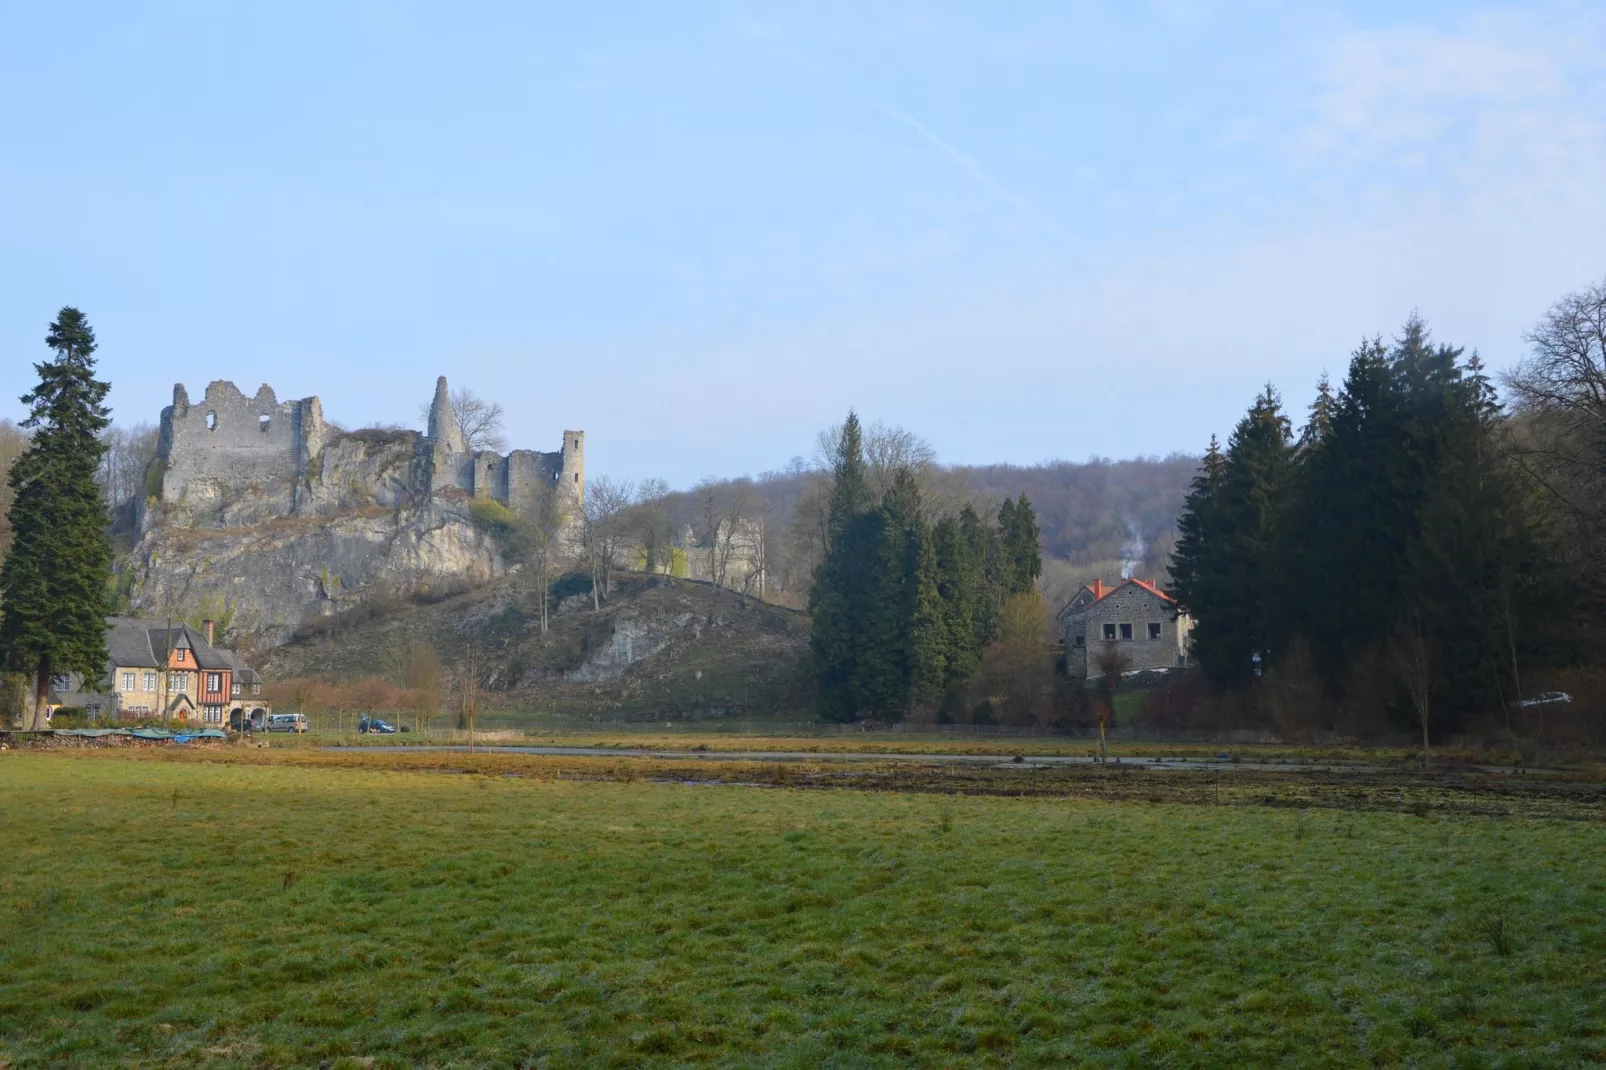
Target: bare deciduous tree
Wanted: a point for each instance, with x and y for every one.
(603, 514)
(129, 451)
(544, 522)
(1112, 662)
(1560, 395)
(1411, 651)
(654, 528)
(480, 420)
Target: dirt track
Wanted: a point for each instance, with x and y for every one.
(1444, 791)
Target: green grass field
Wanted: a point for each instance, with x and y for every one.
(180, 913)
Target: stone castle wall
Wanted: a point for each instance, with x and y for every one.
(227, 441)
(232, 459)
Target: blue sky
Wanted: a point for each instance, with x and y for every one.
(702, 232)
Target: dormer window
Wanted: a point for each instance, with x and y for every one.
(178, 655)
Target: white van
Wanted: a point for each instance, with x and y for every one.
(287, 722)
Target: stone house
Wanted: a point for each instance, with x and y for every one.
(1133, 615)
(176, 672)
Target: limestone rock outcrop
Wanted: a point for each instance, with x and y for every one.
(262, 515)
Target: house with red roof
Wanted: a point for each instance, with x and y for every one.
(1134, 617)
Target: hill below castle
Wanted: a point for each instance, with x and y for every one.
(655, 649)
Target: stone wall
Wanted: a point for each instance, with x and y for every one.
(227, 445)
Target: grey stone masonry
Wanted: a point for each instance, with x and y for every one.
(1135, 617)
(233, 460)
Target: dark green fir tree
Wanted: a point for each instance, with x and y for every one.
(53, 589)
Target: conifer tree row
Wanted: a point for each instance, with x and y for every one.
(1394, 541)
(902, 607)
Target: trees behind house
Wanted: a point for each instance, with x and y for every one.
(1394, 540)
(53, 582)
(904, 601)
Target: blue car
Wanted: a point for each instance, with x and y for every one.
(374, 724)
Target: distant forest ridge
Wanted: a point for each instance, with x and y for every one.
(1097, 517)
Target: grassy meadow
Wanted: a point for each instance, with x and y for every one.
(187, 912)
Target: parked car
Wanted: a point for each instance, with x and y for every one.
(374, 724)
(287, 722)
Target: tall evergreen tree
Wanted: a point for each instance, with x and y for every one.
(957, 581)
(981, 553)
(53, 585)
(1230, 586)
(841, 590)
(1020, 545)
(929, 639)
(1196, 530)
(881, 683)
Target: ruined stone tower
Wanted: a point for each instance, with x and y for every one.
(514, 479)
(232, 459)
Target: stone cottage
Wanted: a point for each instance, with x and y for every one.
(1134, 616)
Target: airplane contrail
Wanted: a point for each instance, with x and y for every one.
(955, 155)
(970, 165)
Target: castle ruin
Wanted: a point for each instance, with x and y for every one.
(232, 459)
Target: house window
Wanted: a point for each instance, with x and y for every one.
(178, 655)
(181, 683)
(1154, 630)
(1109, 633)
(214, 682)
(256, 689)
(150, 682)
(212, 714)
(234, 689)
(1081, 640)
(128, 681)
(1126, 631)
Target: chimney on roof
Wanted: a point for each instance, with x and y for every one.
(206, 630)
(1098, 590)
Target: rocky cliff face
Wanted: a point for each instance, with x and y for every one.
(263, 580)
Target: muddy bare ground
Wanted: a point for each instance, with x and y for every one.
(1445, 790)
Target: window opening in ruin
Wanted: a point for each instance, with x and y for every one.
(577, 477)
(1081, 640)
(1126, 631)
(263, 421)
(211, 421)
(1154, 630)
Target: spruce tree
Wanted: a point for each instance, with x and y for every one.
(1196, 530)
(957, 578)
(1020, 543)
(930, 637)
(1230, 586)
(981, 552)
(53, 590)
(841, 581)
(885, 670)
